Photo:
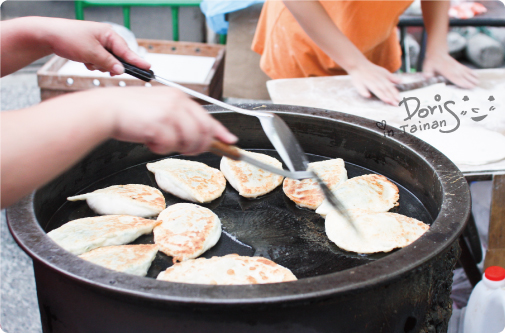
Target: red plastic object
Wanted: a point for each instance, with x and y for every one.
(495, 273)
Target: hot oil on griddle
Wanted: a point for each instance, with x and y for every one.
(271, 226)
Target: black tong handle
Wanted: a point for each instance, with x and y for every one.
(139, 73)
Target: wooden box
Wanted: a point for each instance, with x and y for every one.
(52, 84)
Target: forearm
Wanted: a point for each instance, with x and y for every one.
(437, 60)
(26, 39)
(325, 33)
(23, 41)
(42, 141)
(436, 21)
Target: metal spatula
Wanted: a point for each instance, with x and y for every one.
(275, 128)
(234, 153)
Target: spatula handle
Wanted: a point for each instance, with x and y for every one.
(223, 149)
(139, 73)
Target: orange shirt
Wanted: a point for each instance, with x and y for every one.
(287, 52)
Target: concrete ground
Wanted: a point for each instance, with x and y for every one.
(19, 310)
(18, 296)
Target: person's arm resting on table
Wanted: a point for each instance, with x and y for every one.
(366, 76)
(438, 60)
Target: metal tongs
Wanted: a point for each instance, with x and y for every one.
(275, 128)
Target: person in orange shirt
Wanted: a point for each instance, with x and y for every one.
(359, 38)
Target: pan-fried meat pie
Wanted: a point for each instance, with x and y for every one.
(131, 259)
(131, 199)
(369, 192)
(306, 192)
(186, 231)
(86, 234)
(227, 270)
(188, 180)
(248, 180)
(377, 232)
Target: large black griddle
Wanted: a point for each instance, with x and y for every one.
(407, 290)
(271, 226)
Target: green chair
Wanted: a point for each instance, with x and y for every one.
(127, 4)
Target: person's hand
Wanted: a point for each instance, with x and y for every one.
(447, 66)
(369, 79)
(59, 131)
(90, 43)
(165, 119)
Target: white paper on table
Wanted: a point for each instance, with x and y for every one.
(484, 144)
(173, 67)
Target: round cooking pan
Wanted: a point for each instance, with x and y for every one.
(406, 290)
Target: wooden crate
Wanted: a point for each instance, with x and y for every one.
(51, 84)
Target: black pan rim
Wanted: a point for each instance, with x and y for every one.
(444, 231)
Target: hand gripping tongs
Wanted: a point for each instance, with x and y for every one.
(275, 128)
